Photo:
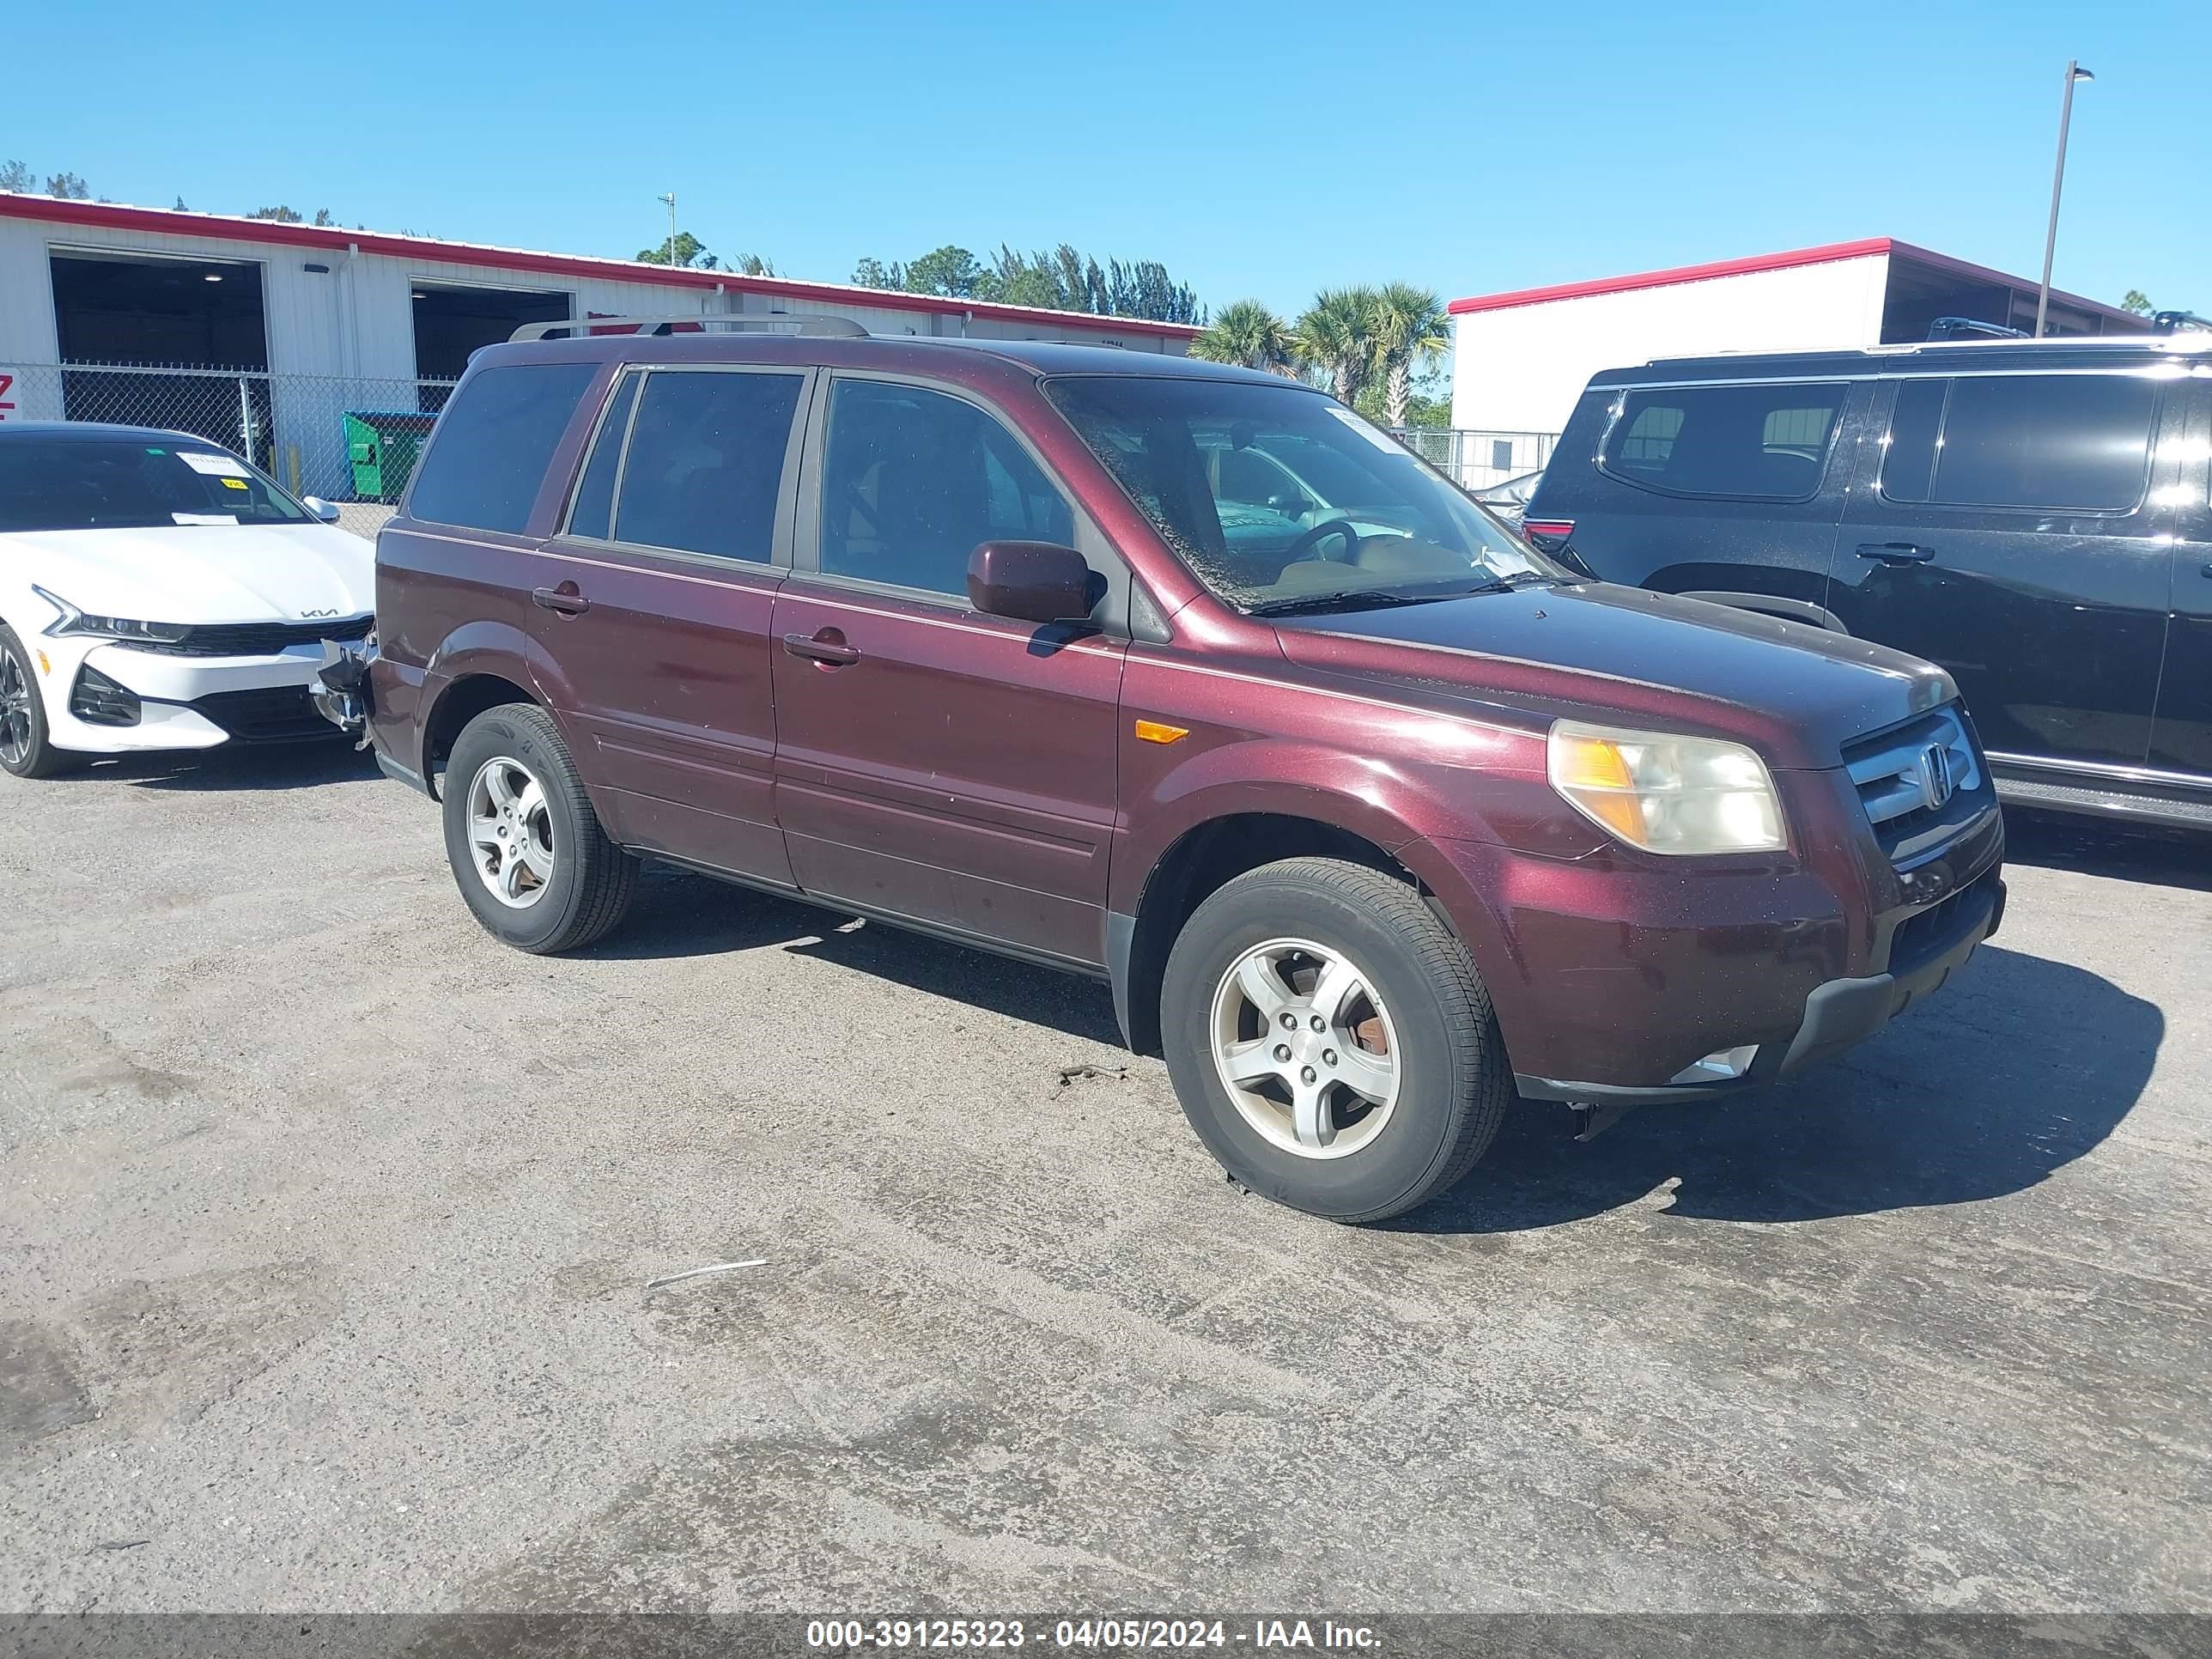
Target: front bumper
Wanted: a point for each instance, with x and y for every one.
(1839, 1013)
(1615, 977)
(184, 703)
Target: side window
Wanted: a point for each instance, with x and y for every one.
(1762, 442)
(593, 513)
(492, 444)
(705, 462)
(2031, 441)
(912, 480)
(1908, 462)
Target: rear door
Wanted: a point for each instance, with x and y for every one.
(651, 620)
(1724, 491)
(934, 763)
(2011, 533)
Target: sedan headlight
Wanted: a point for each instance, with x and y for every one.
(73, 623)
(1666, 793)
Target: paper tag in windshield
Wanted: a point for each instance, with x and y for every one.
(215, 466)
(205, 518)
(1382, 440)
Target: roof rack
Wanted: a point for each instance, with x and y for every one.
(844, 327)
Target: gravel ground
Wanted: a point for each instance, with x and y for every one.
(325, 1226)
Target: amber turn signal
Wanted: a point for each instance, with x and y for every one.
(1157, 731)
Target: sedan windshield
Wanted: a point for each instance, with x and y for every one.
(108, 483)
(1280, 499)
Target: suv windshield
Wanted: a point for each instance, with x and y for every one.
(107, 483)
(1280, 498)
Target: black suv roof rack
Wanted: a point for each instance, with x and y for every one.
(805, 323)
(1972, 328)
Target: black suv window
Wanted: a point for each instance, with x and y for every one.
(1765, 442)
(912, 480)
(492, 443)
(705, 462)
(2027, 441)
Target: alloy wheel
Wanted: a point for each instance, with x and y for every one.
(510, 832)
(1305, 1048)
(15, 696)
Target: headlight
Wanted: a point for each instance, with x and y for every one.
(83, 624)
(1666, 793)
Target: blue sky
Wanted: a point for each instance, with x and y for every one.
(1257, 150)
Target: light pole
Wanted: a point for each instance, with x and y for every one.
(670, 199)
(2074, 72)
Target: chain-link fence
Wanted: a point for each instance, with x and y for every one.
(1480, 460)
(352, 442)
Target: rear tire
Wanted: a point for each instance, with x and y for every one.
(26, 747)
(525, 847)
(1331, 1041)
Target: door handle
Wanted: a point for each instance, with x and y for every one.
(565, 599)
(834, 652)
(1897, 552)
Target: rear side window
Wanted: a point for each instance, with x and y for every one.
(593, 513)
(2024, 440)
(492, 443)
(705, 463)
(1755, 442)
(913, 480)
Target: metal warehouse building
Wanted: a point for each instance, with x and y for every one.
(1519, 359)
(323, 353)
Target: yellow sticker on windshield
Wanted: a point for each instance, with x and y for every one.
(234, 483)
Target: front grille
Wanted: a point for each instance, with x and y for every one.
(275, 713)
(258, 639)
(1924, 936)
(1908, 775)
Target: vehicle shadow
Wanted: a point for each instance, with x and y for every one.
(272, 766)
(678, 913)
(2096, 847)
(2023, 1065)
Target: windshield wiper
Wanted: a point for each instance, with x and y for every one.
(1354, 598)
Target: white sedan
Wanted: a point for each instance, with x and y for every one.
(158, 592)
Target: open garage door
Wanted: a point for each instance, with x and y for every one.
(452, 321)
(186, 337)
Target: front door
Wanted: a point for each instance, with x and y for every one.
(2013, 530)
(651, 628)
(934, 763)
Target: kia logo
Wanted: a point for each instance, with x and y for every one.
(312, 615)
(1935, 784)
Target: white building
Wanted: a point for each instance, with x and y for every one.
(265, 336)
(1521, 359)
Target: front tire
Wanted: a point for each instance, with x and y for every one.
(26, 748)
(1331, 1041)
(526, 848)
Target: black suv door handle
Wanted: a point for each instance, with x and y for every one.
(565, 599)
(1897, 552)
(814, 649)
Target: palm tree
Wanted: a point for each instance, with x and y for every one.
(1247, 332)
(1336, 334)
(1410, 326)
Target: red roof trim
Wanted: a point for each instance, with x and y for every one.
(1827, 254)
(117, 216)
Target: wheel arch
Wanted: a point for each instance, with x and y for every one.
(1200, 861)
(462, 700)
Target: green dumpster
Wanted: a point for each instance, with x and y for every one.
(382, 446)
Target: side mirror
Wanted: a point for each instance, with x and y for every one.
(1030, 581)
(326, 511)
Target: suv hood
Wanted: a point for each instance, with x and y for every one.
(1632, 657)
(199, 573)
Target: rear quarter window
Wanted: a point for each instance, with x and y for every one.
(492, 443)
(1739, 442)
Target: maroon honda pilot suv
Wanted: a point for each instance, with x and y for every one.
(1175, 675)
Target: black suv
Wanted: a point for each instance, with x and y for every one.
(2032, 515)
